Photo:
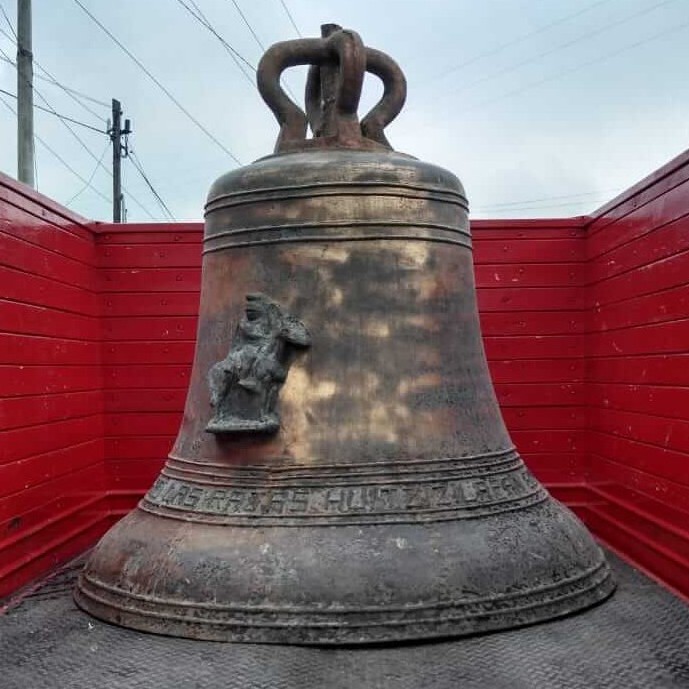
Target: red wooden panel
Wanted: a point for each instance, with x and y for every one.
(668, 463)
(138, 280)
(661, 369)
(160, 376)
(649, 212)
(541, 394)
(648, 279)
(530, 275)
(665, 401)
(537, 370)
(22, 255)
(542, 418)
(22, 511)
(45, 380)
(33, 349)
(20, 443)
(560, 466)
(141, 447)
(23, 412)
(151, 304)
(146, 400)
(150, 328)
(174, 255)
(544, 251)
(658, 243)
(659, 338)
(532, 323)
(152, 352)
(25, 473)
(133, 424)
(531, 299)
(646, 428)
(147, 233)
(25, 287)
(534, 347)
(37, 320)
(666, 305)
(552, 440)
(136, 475)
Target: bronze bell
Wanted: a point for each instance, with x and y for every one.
(342, 473)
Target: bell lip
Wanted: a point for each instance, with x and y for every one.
(339, 631)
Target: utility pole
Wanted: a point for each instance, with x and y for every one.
(119, 151)
(25, 140)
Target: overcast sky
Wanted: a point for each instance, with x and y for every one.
(541, 107)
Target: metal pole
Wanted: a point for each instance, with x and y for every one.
(25, 139)
(115, 136)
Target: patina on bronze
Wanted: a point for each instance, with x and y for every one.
(388, 501)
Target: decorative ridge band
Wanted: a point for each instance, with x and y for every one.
(597, 573)
(430, 191)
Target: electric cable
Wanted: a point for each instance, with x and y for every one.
(139, 168)
(248, 25)
(58, 156)
(291, 18)
(90, 179)
(157, 82)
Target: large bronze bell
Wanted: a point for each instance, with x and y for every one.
(342, 473)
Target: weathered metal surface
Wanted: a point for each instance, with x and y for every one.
(390, 503)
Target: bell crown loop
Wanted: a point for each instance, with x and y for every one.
(338, 61)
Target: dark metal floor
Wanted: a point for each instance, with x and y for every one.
(638, 639)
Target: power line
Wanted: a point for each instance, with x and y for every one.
(57, 114)
(9, 22)
(587, 35)
(236, 57)
(599, 192)
(291, 18)
(157, 82)
(246, 21)
(514, 41)
(90, 179)
(139, 168)
(55, 82)
(581, 65)
(58, 156)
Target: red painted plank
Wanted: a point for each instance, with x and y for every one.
(532, 323)
(537, 370)
(38, 320)
(145, 400)
(663, 369)
(668, 305)
(141, 447)
(20, 253)
(20, 286)
(39, 439)
(112, 233)
(541, 394)
(135, 425)
(656, 244)
(510, 299)
(32, 471)
(667, 463)
(151, 352)
(665, 401)
(144, 376)
(543, 418)
(45, 380)
(534, 347)
(150, 328)
(33, 349)
(529, 275)
(544, 251)
(16, 412)
(173, 255)
(553, 440)
(648, 279)
(659, 338)
(152, 304)
(142, 280)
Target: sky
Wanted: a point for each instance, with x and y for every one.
(543, 108)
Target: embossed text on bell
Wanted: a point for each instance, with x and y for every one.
(342, 473)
